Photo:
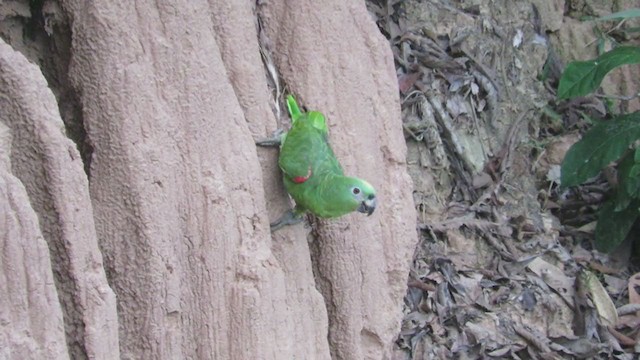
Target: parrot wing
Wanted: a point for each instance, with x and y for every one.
(305, 153)
(306, 150)
(316, 118)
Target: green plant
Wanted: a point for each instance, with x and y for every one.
(606, 142)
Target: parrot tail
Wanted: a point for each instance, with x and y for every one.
(294, 110)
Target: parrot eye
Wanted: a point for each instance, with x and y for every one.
(355, 191)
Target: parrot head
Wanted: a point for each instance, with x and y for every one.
(359, 195)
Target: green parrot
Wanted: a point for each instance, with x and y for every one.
(312, 174)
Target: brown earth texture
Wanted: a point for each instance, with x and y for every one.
(135, 204)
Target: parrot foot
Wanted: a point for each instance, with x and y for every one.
(289, 218)
(274, 140)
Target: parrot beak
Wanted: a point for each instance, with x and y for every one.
(368, 206)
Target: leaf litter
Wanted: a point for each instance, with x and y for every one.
(505, 267)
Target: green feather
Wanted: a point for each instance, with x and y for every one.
(294, 110)
(312, 174)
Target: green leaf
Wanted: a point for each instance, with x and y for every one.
(583, 77)
(613, 226)
(622, 194)
(602, 144)
(626, 14)
(622, 199)
(633, 183)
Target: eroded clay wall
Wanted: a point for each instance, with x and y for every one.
(175, 208)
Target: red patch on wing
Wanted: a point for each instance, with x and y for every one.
(301, 179)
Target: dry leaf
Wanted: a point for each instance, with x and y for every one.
(600, 298)
(634, 289)
(406, 81)
(555, 278)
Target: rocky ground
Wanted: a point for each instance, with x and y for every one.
(505, 267)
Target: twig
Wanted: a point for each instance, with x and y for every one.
(618, 97)
(531, 338)
(608, 32)
(420, 285)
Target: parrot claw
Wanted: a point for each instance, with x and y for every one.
(274, 140)
(289, 218)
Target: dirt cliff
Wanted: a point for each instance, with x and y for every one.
(161, 247)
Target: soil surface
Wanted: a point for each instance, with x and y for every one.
(505, 267)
